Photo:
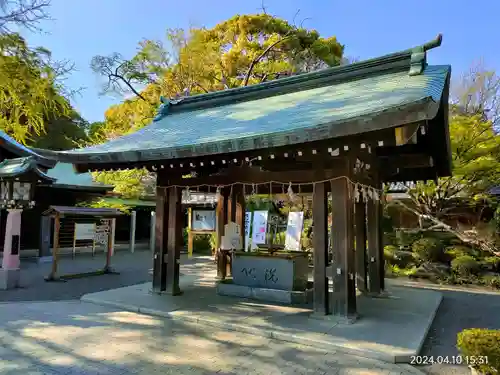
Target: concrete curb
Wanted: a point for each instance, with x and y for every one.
(177, 315)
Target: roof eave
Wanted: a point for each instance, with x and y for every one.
(416, 111)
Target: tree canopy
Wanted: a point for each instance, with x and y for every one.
(30, 93)
(243, 50)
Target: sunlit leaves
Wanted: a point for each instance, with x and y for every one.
(29, 92)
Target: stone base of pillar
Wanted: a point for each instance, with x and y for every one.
(10, 278)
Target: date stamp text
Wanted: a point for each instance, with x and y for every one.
(422, 360)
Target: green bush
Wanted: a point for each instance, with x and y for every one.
(480, 345)
(400, 258)
(446, 238)
(390, 253)
(406, 239)
(491, 281)
(201, 243)
(456, 251)
(491, 263)
(428, 250)
(465, 265)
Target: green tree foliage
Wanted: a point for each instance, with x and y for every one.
(61, 133)
(244, 50)
(30, 92)
(475, 146)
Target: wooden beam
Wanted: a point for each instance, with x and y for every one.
(360, 227)
(321, 304)
(161, 235)
(175, 219)
(343, 262)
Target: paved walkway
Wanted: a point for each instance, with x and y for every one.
(69, 337)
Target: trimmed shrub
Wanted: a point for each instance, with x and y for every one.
(482, 347)
(465, 265)
(201, 244)
(491, 263)
(456, 251)
(428, 250)
(389, 253)
(446, 238)
(406, 239)
(491, 281)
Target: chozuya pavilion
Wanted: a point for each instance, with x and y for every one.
(338, 133)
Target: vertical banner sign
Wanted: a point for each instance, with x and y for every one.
(294, 231)
(259, 228)
(248, 222)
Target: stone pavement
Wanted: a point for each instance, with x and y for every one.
(134, 269)
(70, 337)
(376, 335)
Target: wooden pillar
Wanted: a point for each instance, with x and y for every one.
(233, 202)
(343, 262)
(221, 216)
(381, 256)
(360, 227)
(161, 235)
(222, 219)
(375, 253)
(321, 304)
(240, 210)
(175, 219)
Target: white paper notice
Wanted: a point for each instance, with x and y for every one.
(259, 228)
(248, 222)
(294, 231)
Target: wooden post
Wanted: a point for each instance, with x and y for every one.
(374, 244)
(360, 227)
(190, 234)
(381, 256)
(109, 252)
(173, 250)
(152, 232)
(74, 242)
(133, 224)
(222, 219)
(55, 251)
(343, 262)
(161, 229)
(240, 211)
(321, 304)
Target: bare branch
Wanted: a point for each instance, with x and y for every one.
(25, 14)
(260, 57)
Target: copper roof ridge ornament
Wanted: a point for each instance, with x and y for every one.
(164, 108)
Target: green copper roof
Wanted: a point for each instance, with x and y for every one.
(65, 176)
(320, 105)
(14, 147)
(11, 168)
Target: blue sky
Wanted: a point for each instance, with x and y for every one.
(81, 29)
